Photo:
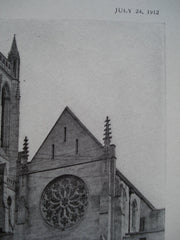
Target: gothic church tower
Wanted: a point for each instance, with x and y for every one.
(9, 135)
(9, 102)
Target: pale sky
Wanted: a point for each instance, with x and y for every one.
(97, 68)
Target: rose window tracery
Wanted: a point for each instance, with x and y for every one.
(64, 201)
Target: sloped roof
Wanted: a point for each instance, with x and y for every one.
(67, 109)
(136, 191)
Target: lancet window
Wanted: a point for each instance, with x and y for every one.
(5, 115)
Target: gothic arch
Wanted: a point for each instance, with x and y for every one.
(118, 213)
(121, 190)
(124, 194)
(124, 199)
(5, 115)
(117, 186)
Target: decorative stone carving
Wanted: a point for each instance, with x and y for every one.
(64, 202)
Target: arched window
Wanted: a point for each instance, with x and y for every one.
(134, 214)
(117, 186)
(9, 203)
(5, 105)
(124, 196)
(121, 190)
(14, 67)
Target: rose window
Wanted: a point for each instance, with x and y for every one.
(64, 201)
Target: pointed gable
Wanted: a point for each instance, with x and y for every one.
(69, 139)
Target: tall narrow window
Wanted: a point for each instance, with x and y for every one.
(124, 198)
(134, 214)
(2, 120)
(142, 224)
(14, 67)
(53, 149)
(9, 203)
(77, 146)
(5, 102)
(64, 134)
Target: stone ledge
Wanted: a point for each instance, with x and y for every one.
(145, 232)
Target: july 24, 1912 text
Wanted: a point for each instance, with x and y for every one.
(120, 10)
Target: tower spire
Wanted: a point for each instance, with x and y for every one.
(14, 58)
(107, 132)
(14, 49)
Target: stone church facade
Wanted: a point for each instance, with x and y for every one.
(71, 189)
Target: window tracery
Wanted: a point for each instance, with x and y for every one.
(64, 202)
(121, 194)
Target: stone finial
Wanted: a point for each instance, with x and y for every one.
(26, 147)
(107, 132)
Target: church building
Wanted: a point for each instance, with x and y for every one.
(71, 189)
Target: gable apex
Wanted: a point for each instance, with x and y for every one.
(77, 120)
(81, 124)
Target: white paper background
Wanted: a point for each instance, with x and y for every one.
(104, 10)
